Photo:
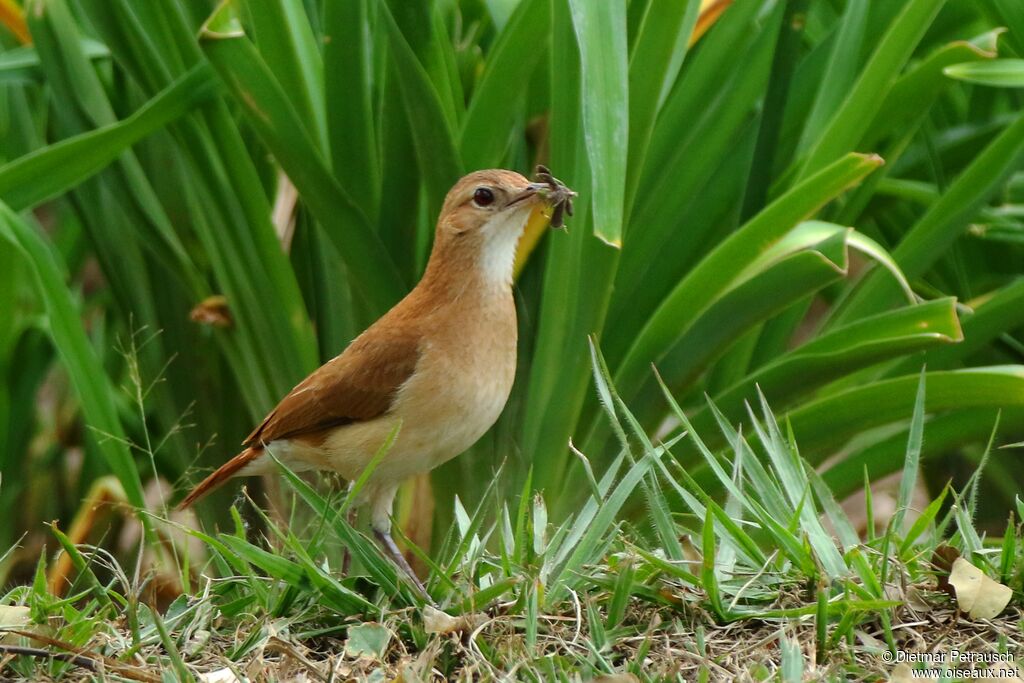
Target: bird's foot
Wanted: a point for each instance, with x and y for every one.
(398, 558)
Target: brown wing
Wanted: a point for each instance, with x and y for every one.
(360, 384)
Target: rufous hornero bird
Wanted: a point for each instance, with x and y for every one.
(438, 366)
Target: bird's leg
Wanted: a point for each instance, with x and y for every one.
(381, 523)
(352, 517)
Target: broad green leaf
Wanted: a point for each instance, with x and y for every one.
(701, 82)
(717, 126)
(578, 274)
(653, 66)
(716, 274)
(837, 353)
(851, 121)
(348, 86)
(432, 134)
(95, 394)
(943, 433)
(825, 423)
(286, 42)
(601, 36)
(997, 312)
(912, 94)
(270, 112)
(48, 172)
(840, 74)
(214, 181)
(751, 301)
(810, 233)
(1011, 15)
(21, 64)
(494, 107)
(1002, 73)
(947, 218)
(76, 88)
(786, 56)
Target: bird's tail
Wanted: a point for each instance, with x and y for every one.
(231, 468)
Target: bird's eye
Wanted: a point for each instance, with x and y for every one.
(483, 196)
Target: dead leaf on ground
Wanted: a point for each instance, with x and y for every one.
(977, 594)
(369, 640)
(436, 621)
(224, 675)
(13, 617)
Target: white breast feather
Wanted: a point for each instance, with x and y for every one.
(502, 235)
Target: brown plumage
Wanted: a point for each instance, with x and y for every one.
(439, 365)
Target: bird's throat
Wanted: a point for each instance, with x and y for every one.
(498, 251)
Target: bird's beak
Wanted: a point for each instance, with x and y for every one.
(526, 193)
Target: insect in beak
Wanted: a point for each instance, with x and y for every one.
(557, 193)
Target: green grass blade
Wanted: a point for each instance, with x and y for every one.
(925, 519)
(913, 459)
(708, 573)
(602, 523)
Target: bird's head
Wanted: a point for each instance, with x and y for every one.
(485, 213)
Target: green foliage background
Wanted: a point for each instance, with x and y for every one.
(145, 145)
